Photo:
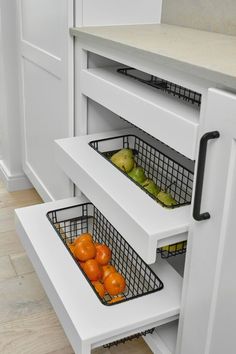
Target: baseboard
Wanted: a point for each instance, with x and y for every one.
(13, 182)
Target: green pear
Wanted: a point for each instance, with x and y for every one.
(166, 198)
(169, 248)
(138, 174)
(151, 187)
(180, 246)
(124, 159)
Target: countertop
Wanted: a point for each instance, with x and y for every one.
(213, 55)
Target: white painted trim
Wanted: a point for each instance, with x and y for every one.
(45, 60)
(37, 183)
(13, 182)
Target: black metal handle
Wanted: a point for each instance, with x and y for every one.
(200, 175)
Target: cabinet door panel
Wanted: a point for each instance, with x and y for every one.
(221, 332)
(38, 28)
(208, 316)
(46, 51)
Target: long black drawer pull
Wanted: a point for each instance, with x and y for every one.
(200, 175)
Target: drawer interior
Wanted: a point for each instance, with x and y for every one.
(69, 223)
(141, 220)
(169, 175)
(77, 307)
(168, 110)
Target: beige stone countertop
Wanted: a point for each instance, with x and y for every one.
(211, 55)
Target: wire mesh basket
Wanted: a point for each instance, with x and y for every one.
(130, 338)
(86, 218)
(173, 250)
(169, 87)
(169, 175)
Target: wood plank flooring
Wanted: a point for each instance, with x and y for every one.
(28, 324)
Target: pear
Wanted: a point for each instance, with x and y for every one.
(165, 248)
(175, 247)
(124, 159)
(169, 248)
(166, 198)
(138, 174)
(151, 187)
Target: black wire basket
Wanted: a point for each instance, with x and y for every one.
(169, 175)
(172, 250)
(168, 87)
(130, 338)
(86, 218)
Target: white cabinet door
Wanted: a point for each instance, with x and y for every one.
(209, 305)
(46, 51)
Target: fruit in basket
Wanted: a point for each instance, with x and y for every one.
(92, 269)
(124, 159)
(103, 254)
(82, 264)
(84, 251)
(151, 187)
(99, 287)
(114, 283)
(166, 198)
(138, 175)
(83, 237)
(169, 248)
(174, 247)
(107, 270)
(116, 299)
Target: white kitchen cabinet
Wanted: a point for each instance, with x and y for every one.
(209, 305)
(46, 55)
(47, 77)
(203, 307)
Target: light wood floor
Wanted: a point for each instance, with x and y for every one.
(28, 324)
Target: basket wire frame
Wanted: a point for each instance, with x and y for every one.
(169, 175)
(169, 87)
(140, 279)
(126, 339)
(172, 250)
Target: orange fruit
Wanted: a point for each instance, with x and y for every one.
(103, 254)
(107, 269)
(84, 251)
(92, 269)
(116, 299)
(115, 283)
(83, 237)
(99, 288)
(82, 265)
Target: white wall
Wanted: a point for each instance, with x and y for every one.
(209, 15)
(10, 163)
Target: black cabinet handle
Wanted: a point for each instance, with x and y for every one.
(200, 175)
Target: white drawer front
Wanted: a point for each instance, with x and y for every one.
(140, 219)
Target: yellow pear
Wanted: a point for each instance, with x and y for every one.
(124, 159)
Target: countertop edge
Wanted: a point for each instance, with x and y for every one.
(223, 79)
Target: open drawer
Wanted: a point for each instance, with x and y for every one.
(163, 116)
(86, 321)
(144, 223)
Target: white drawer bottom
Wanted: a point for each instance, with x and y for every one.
(87, 322)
